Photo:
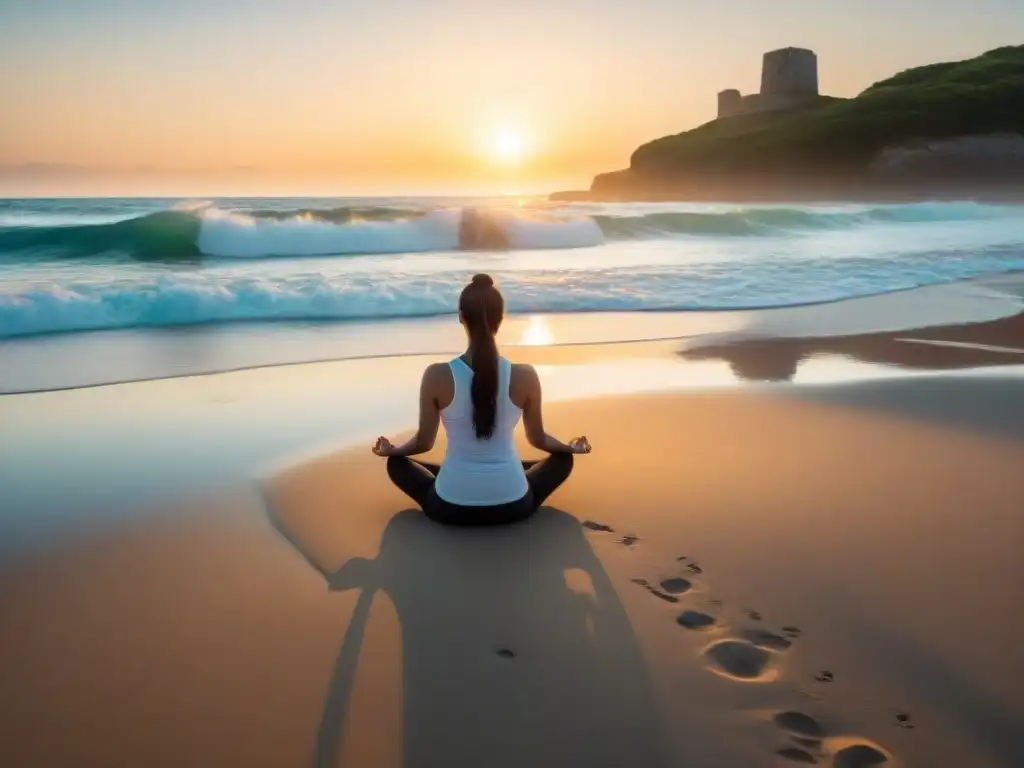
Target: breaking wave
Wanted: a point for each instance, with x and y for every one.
(199, 297)
(193, 234)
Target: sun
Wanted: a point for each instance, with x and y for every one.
(508, 148)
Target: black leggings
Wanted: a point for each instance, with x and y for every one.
(416, 480)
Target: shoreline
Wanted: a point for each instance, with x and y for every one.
(106, 358)
(122, 449)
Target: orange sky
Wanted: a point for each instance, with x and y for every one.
(307, 97)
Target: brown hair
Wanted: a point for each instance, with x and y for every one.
(482, 309)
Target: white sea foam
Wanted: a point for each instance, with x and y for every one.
(531, 233)
(237, 235)
(212, 297)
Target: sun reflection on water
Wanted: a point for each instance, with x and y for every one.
(537, 333)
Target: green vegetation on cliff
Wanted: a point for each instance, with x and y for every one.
(983, 95)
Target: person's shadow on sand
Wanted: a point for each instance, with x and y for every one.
(516, 650)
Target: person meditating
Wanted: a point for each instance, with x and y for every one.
(480, 397)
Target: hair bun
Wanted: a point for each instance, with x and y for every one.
(484, 280)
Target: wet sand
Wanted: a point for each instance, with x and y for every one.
(945, 347)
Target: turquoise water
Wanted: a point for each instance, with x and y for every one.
(97, 264)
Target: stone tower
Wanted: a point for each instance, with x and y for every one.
(730, 102)
(789, 72)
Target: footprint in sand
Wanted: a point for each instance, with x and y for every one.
(749, 657)
(676, 586)
(859, 756)
(805, 732)
(669, 588)
(799, 725)
(661, 594)
(740, 660)
(853, 756)
(903, 720)
(765, 639)
(696, 620)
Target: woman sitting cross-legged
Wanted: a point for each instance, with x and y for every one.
(480, 397)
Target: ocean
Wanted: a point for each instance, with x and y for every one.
(78, 265)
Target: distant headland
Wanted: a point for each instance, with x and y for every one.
(950, 130)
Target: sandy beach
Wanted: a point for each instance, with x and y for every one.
(748, 577)
(781, 336)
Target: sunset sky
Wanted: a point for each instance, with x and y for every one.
(184, 97)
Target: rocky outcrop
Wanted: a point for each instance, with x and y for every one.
(996, 155)
(979, 166)
(953, 130)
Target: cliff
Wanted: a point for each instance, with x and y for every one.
(953, 123)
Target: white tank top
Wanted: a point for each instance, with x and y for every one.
(480, 472)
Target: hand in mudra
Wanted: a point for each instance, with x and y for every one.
(383, 447)
(580, 444)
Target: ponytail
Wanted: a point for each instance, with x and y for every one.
(484, 389)
(482, 308)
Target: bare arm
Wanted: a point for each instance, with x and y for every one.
(430, 415)
(533, 419)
